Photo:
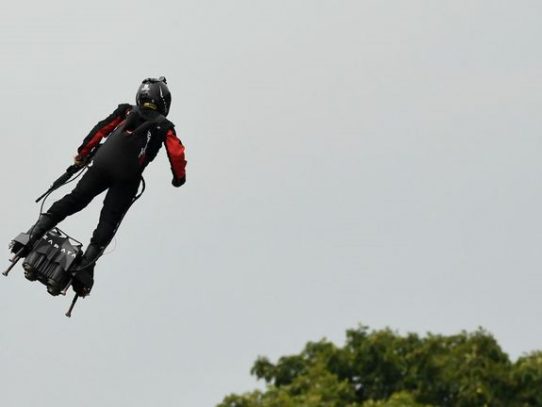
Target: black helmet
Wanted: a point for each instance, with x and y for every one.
(154, 94)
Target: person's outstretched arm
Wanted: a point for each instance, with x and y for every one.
(175, 153)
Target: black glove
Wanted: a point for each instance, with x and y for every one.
(79, 162)
(177, 182)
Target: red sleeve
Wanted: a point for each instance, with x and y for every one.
(101, 130)
(175, 153)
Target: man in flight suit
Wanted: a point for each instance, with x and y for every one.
(134, 135)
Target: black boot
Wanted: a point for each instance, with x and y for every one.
(36, 232)
(83, 278)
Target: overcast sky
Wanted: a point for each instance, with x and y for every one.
(373, 162)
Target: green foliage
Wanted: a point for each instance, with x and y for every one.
(384, 369)
(316, 387)
(400, 399)
(527, 380)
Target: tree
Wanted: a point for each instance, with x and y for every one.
(527, 380)
(384, 369)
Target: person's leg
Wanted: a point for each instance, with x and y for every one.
(91, 184)
(116, 203)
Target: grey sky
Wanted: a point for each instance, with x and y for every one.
(348, 162)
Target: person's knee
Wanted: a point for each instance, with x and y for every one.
(70, 204)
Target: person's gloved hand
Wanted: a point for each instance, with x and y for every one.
(177, 182)
(78, 161)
